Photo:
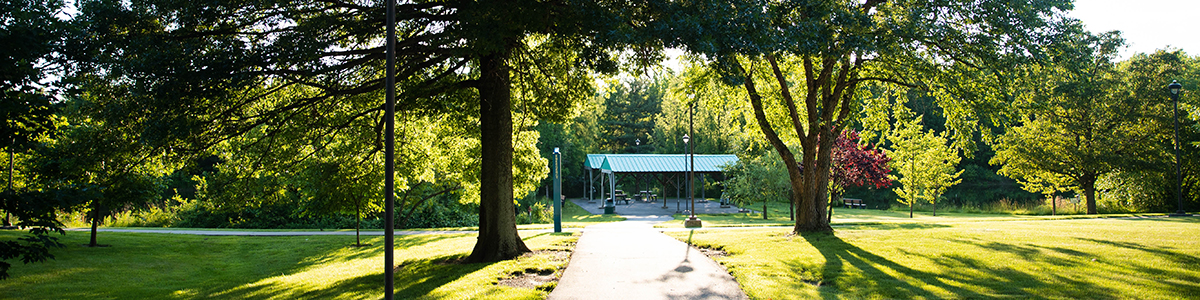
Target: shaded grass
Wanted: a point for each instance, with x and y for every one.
(777, 215)
(169, 266)
(1152, 258)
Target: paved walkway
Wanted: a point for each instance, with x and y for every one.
(632, 260)
(638, 208)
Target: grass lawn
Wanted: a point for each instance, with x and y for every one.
(777, 215)
(574, 216)
(1149, 258)
(169, 266)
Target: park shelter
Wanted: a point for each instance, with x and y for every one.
(670, 168)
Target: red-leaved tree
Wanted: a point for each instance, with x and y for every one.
(855, 165)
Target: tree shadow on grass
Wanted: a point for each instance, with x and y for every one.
(414, 279)
(270, 266)
(401, 242)
(890, 226)
(1174, 280)
(850, 271)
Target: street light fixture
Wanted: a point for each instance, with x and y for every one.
(692, 221)
(686, 138)
(1175, 88)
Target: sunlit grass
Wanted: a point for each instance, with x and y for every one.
(1153, 258)
(168, 266)
(574, 216)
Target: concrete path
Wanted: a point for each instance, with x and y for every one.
(638, 208)
(632, 260)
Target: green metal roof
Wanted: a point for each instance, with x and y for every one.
(594, 161)
(658, 163)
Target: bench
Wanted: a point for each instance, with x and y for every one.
(854, 203)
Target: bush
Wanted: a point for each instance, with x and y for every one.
(536, 213)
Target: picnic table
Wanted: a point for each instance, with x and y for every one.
(648, 196)
(621, 197)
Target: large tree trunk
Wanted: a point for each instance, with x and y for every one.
(498, 239)
(814, 195)
(810, 214)
(1088, 182)
(95, 223)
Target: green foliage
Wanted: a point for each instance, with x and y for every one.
(759, 178)
(30, 40)
(924, 160)
(722, 120)
(630, 111)
(1085, 117)
(536, 213)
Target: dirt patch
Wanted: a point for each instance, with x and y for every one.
(713, 253)
(530, 279)
(556, 255)
(541, 279)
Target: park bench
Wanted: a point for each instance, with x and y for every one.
(854, 203)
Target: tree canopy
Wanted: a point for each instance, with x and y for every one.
(1084, 118)
(812, 57)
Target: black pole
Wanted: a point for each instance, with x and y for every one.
(1178, 173)
(691, 160)
(557, 191)
(7, 218)
(390, 151)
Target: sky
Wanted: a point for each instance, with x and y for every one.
(1146, 25)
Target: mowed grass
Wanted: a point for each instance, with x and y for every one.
(168, 266)
(1148, 258)
(574, 216)
(777, 215)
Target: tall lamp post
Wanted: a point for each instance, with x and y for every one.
(1175, 87)
(557, 201)
(686, 139)
(389, 184)
(692, 221)
(637, 178)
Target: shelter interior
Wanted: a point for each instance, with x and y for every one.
(647, 171)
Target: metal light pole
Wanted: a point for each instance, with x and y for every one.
(686, 139)
(7, 217)
(637, 178)
(691, 221)
(1175, 87)
(389, 184)
(557, 190)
